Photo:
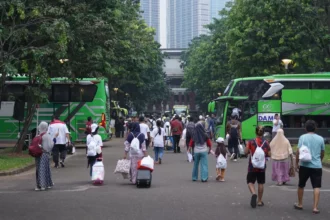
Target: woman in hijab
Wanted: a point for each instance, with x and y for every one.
(202, 146)
(281, 152)
(43, 174)
(135, 156)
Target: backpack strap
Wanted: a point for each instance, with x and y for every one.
(261, 144)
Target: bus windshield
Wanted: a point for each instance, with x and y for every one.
(180, 111)
(226, 92)
(220, 112)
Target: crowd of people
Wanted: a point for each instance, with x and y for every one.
(199, 144)
(196, 137)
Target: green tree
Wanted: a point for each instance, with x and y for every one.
(101, 38)
(253, 36)
(32, 39)
(109, 38)
(262, 33)
(205, 64)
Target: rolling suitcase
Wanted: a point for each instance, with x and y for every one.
(143, 178)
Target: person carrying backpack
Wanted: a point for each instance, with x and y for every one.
(233, 130)
(135, 145)
(94, 146)
(258, 149)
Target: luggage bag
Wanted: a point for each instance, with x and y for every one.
(143, 178)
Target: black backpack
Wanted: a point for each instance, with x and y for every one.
(233, 131)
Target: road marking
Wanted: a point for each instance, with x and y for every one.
(286, 188)
(76, 189)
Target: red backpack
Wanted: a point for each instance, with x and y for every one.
(34, 149)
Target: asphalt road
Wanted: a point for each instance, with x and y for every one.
(172, 196)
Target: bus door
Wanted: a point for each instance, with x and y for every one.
(249, 119)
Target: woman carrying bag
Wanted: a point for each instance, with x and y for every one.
(282, 158)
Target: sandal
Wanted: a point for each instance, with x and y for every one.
(261, 204)
(316, 211)
(297, 207)
(253, 202)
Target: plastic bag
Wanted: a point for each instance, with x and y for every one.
(305, 154)
(190, 157)
(258, 158)
(98, 172)
(147, 163)
(168, 143)
(123, 166)
(241, 149)
(182, 143)
(221, 162)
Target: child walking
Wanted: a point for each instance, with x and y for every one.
(221, 167)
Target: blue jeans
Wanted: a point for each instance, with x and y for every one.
(158, 153)
(201, 157)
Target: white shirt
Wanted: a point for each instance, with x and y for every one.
(278, 126)
(144, 129)
(62, 130)
(98, 140)
(158, 138)
(167, 127)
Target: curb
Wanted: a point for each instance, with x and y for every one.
(26, 168)
(18, 171)
(327, 165)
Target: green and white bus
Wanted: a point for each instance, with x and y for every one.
(73, 103)
(295, 97)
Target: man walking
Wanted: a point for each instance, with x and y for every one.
(176, 128)
(63, 139)
(233, 129)
(277, 124)
(144, 129)
(311, 169)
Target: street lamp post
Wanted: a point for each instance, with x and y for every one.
(286, 63)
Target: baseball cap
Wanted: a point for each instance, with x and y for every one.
(220, 140)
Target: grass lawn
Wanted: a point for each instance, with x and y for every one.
(326, 155)
(10, 160)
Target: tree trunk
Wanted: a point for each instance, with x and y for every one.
(31, 109)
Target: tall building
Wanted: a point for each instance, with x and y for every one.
(185, 20)
(151, 13)
(215, 7)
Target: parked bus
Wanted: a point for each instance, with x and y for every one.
(73, 103)
(180, 110)
(295, 97)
